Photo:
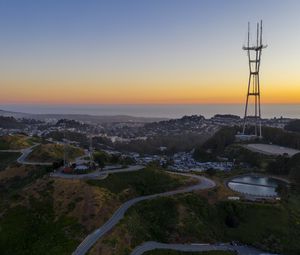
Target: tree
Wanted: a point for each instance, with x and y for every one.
(216, 144)
(294, 167)
(232, 221)
(57, 164)
(211, 172)
(101, 158)
(101, 164)
(293, 125)
(279, 165)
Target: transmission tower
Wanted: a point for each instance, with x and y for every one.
(91, 149)
(65, 145)
(254, 57)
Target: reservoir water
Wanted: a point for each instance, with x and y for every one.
(255, 185)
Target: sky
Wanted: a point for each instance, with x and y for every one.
(145, 51)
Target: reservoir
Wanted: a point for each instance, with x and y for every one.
(260, 186)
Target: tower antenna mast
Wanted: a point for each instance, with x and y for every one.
(65, 145)
(254, 58)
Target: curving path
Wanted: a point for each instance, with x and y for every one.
(91, 239)
(98, 174)
(25, 153)
(240, 249)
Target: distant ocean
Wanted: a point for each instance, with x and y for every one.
(158, 110)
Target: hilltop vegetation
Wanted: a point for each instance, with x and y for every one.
(15, 142)
(281, 137)
(41, 215)
(144, 182)
(283, 165)
(44, 216)
(173, 143)
(53, 152)
(189, 218)
(215, 145)
(240, 154)
(293, 125)
(35, 229)
(7, 158)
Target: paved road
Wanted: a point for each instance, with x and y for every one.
(240, 249)
(97, 174)
(25, 153)
(92, 238)
(10, 151)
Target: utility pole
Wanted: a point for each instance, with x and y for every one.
(91, 147)
(254, 58)
(65, 145)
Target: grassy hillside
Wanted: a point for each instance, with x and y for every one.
(189, 218)
(44, 216)
(52, 152)
(41, 215)
(143, 182)
(7, 158)
(35, 229)
(14, 142)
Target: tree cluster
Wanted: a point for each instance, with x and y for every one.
(293, 125)
(216, 144)
(281, 137)
(283, 165)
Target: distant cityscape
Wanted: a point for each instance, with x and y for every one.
(117, 135)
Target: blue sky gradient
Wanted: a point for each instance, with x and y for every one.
(145, 44)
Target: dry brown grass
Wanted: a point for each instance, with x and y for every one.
(220, 192)
(90, 205)
(118, 239)
(51, 152)
(116, 242)
(14, 142)
(13, 171)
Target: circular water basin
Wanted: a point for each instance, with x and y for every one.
(260, 186)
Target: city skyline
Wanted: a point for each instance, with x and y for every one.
(133, 52)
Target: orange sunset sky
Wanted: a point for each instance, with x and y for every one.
(165, 52)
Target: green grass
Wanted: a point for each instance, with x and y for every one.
(170, 252)
(14, 142)
(16, 183)
(36, 230)
(143, 182)
(190, 218)
(7, 158)
(53, 152)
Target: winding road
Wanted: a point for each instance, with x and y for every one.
(240, 249)
(98, 174)
(91, 239)
(25, 153)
